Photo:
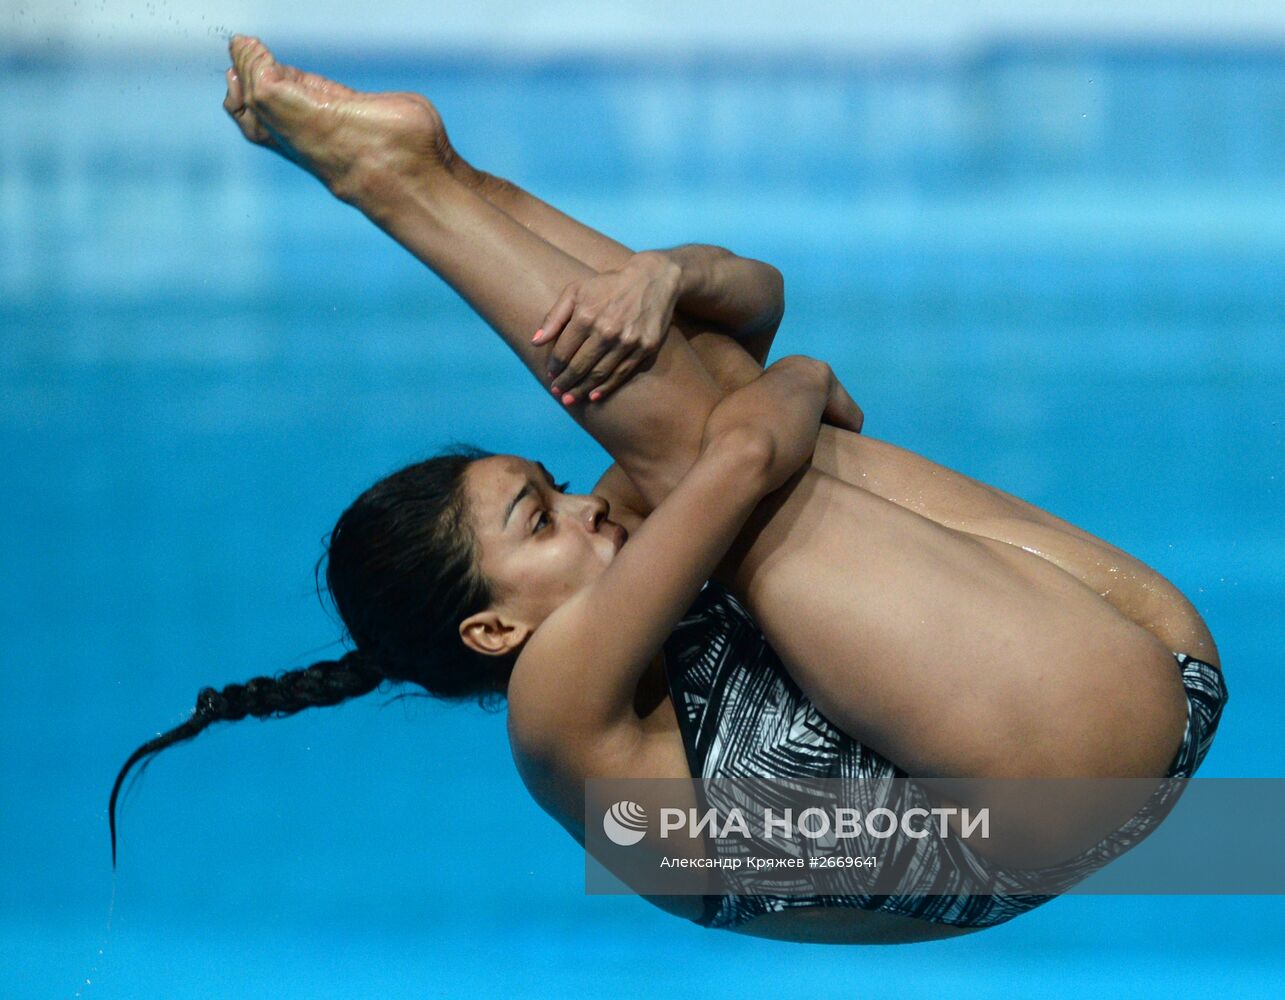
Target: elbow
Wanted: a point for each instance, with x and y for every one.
(750, 454)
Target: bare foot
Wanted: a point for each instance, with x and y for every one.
(345, 137)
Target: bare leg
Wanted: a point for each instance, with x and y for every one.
(897, 475)
(730, 364)
(970, 656)
(594, 249)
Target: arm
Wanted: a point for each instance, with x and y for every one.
(748, 299)
(732, 368)
(732, 364)
(745, 298)
(579, 673)
(610, 324)
(382, 153)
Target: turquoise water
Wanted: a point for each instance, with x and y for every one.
(1055, 268)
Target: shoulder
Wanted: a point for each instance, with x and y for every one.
(555, 756)
(537, 706)
(554, 723)
(549, 757)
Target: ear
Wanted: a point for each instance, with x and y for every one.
(492, 634)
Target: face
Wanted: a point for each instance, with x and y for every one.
(537, 544)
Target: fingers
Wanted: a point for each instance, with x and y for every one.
(592, 366)
(619, 376)
(632, 350)
(842, 411)
(569, 345)
(579, 349)
(557, 317)
(603, 335)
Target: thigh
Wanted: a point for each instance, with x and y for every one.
(950, 653)
(956, 501)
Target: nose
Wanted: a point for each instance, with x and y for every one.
(596, 511)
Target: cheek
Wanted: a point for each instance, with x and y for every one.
(506, 567)
(558, 567)
(567, 563)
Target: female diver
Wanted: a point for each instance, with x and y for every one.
(909, 619)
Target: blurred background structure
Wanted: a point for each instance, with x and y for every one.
(1041, 243)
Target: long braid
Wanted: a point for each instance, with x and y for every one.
(327, 682)
(401, 569)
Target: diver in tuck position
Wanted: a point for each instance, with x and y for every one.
(749, 552)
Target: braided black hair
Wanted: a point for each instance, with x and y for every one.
(326, 683)
(402, 573)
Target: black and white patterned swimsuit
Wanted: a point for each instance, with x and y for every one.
(742, 715)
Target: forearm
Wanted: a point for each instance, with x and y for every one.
(782, 407)
(388, 156)
(746, 297)
(652, 426)
(728, 362)
(743, 297)
(731, 368)
(604, 640)
(720, 293)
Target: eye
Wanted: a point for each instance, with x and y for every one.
(544, 520)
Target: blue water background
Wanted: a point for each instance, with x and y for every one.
(1056, 268)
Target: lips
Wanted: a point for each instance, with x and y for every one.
(618, 535)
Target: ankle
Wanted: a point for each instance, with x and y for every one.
(465, 173)
(497, 190)
(379, 186)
